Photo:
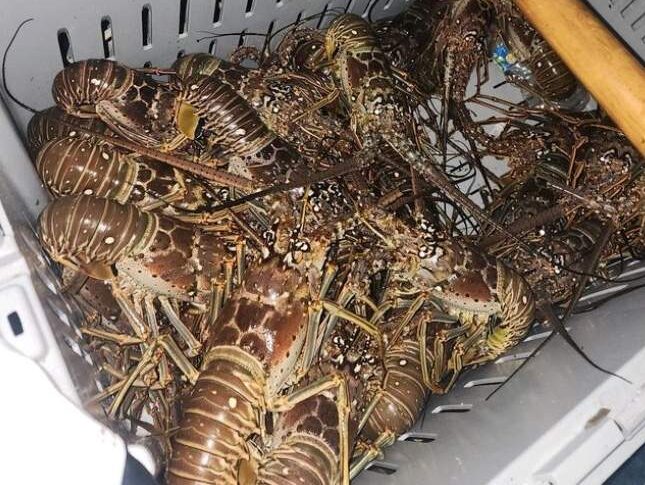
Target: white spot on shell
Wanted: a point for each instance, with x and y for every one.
(88, 191)
(105, 156)
(232, 402)
(109, 240)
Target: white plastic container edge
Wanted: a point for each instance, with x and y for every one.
(558, 421)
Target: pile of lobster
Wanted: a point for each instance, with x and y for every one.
(276, 263)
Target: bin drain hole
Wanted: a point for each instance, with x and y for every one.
(15, 323)
(146, 24)
(382, 468)
(217, 12)
(419, 437)
(65, 46)
(488, 381)
(452, 408)
(107, 37)
(183, 18)
(323, 16)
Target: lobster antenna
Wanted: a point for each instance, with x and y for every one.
(298, 23)
(229, 34)
(4, 69)
(339, 170)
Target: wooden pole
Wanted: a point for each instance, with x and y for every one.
(600, 61)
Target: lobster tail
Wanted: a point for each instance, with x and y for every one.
(81, 85)
(403, 395)
(517, 309)
(220, 414)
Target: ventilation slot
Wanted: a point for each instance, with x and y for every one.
(73, 346)
(249, 7)
(512, 357)
(382, 468)
(489, 381)
(387, 5)
(413, 437)
(15, 323)
(270, 29)
(603, 292)
(323, 14)
(299, 18)
(65, 46)
(181, 54)
(242, 38)
(217, 12)
(183, 18)
(147, 65)
(452, 408)
(146, 27)
(368, 9)
(54, 305)
(639, 22)
(537, 336)
(212, 47)
(108, 39)
(267, 42)
(626, 10)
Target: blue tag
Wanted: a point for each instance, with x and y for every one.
(503, 57)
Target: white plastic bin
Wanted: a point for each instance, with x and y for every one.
(558, 421)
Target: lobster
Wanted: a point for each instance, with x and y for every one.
(551, 78)
(85, 165)
(265, 339)
(53, 123)
(147, 258)
(377, 109)
(593, 177)
(405, 38)
(124, 99)
(202, 64)
(287, 103)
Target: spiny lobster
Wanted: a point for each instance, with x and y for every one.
(147, 259)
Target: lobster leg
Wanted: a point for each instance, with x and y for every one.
(178, 357)
(365, 325)
(193, 344)
(133, 318)
(240, 257)
(215, 304)
(370, 453)
(414, 308)
(458, 360)
(145, 364)
(316, 332)
(330, 98)
(228, 279)
(433, 374)
(118, 338)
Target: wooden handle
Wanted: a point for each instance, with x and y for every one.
(606, 68)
